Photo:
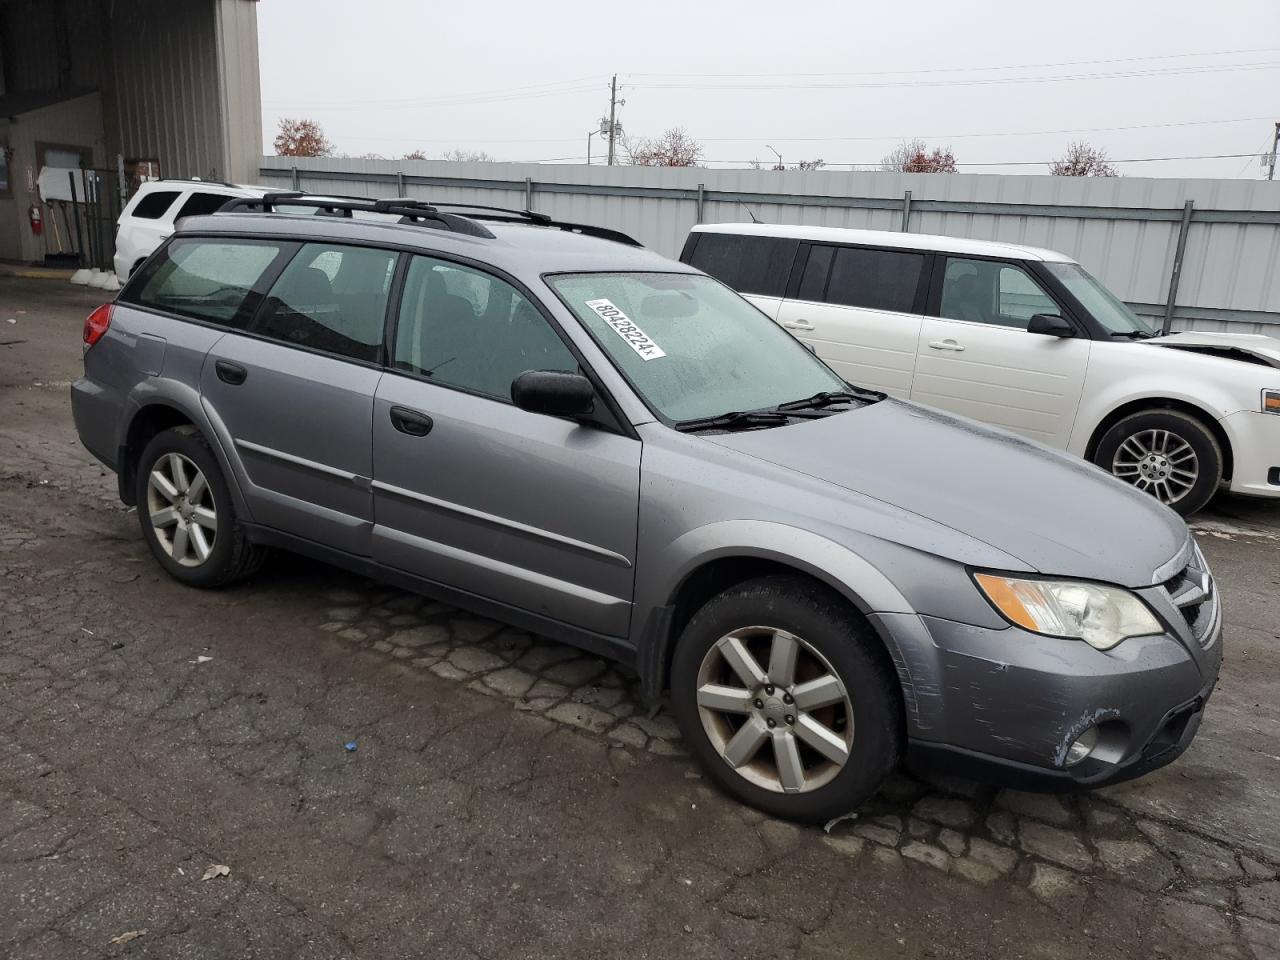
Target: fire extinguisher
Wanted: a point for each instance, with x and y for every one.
(37, 219)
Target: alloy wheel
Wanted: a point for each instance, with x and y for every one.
(1158, 462)
(181, 509)
(786, 725)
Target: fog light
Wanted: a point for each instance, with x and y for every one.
(1082, 747)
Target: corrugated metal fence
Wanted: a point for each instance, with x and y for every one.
(1204, 252)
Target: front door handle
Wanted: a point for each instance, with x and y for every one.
(797, 324)
(412, 422)
(229, 372)
(946, 345)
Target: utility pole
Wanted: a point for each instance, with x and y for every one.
(1275, 144)
(613, 117)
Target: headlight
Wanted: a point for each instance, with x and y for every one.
(1271, 401)
(1100, 616)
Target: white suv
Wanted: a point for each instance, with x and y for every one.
(149, 216)
(1021, 338)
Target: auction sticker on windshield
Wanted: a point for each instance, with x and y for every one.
(623, 326)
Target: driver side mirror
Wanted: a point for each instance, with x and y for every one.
(554, 392)
(1051, 325)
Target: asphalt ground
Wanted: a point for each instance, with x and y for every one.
(508, 796)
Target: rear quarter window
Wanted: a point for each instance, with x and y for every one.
(198, 204)
(759, 265)
(203, 279)
(154, 205)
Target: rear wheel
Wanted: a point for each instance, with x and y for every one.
(1166, 453)
(782, 692)
(186, 512)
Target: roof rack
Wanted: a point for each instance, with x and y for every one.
(425, 213)
(213, 183)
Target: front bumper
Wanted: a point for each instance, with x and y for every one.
(1255, 452)
(1005, 704)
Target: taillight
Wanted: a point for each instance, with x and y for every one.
(96, 324)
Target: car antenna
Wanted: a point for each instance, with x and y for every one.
(754, 218)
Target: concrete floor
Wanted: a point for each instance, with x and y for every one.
(510, 797)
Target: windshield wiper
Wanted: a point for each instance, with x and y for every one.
(733, 420)
(1133, 334)
(829, 398)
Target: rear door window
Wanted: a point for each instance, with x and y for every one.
(201, 278)
(331, 298)
(759, 265)
(200, 203)
(875, 279)
(154, 205)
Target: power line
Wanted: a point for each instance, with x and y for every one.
(1019, 66)
(876, 138)
(528, 91)
(988, 81)
(969, 136)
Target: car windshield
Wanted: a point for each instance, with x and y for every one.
(690, 346)
(1105, 307)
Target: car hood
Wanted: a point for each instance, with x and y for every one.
(1246, 347)
(1055, 513)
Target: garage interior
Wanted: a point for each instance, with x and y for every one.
(132, 89)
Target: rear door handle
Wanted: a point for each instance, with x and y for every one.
(229, 372)
(945, 345)
(412, 422)
(797, 324)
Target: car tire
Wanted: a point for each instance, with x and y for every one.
(186, 512)
(844, 694)
(1166, 453)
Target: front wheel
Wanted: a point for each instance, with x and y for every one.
(186, 512)
(783, 693)
(1166, 453)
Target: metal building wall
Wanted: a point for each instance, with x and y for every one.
(1123, 230)
(179, 78)
(165, 79)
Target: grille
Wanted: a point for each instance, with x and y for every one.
(1194, 593)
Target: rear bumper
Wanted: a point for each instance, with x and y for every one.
(1006, 705)
(1255, 452)
(95, 409)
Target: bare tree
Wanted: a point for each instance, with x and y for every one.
(802, 165)
(416, 155)
(302, 138)
(1082, 160)
(675, 148)
(914, 156)
(467, 156)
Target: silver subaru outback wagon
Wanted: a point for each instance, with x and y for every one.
(547, 424)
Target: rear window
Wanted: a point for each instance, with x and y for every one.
(154, 205)
(204, 279)
(858, 277)
(200, 203)
(759, 265)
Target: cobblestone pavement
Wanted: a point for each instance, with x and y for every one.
(508, 796)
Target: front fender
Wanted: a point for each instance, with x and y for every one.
(661, 576)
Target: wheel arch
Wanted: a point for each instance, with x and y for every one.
(864, 588)
(1141, 404)
(162, 412)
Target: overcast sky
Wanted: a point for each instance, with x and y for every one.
(844, 81)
